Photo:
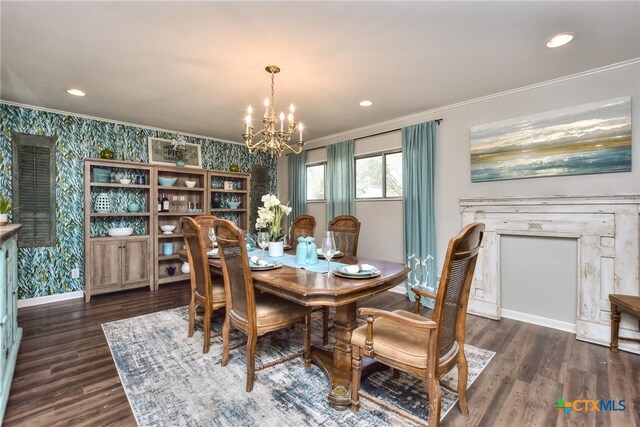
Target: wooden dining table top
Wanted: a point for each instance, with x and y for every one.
(311, 288)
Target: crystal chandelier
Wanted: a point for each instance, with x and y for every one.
(272, 140)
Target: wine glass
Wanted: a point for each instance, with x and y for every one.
(263, 241)
(212, 237)
(328, 248)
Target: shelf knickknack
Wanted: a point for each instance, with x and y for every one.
(161, 151)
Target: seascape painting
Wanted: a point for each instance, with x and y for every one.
(586, 139)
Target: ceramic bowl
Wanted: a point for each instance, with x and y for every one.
(125, 181)
(190, 184)
(116, 232)
(133, 207)
(233, 205)
(167, 229)
(167, 181)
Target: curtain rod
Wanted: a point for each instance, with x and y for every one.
(375, 134)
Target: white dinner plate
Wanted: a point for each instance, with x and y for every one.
(266, 267)
(336, 255)
(359, 275)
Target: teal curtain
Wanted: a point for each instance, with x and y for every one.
(297, 174)
(341, 189)
(418, 172)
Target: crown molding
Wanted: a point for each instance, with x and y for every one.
(117, 122)
(365, 131)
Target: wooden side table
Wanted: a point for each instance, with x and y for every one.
(622, 304)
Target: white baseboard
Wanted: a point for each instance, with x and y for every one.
(537, 320)
(400, 289)
(28, 302)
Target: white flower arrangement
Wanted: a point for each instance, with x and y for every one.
(270, 217)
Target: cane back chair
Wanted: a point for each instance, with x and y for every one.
(253, 313)
(426, 348)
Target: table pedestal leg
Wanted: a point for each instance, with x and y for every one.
(337, 365)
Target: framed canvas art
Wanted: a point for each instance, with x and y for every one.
(586, 139)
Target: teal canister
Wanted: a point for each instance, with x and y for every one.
(312, 251)
(302, 251)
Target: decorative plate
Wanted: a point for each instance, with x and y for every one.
(278, 264)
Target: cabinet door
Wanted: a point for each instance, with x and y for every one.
(135, 262)
(4, 295)
(11, 308)
(105, 263)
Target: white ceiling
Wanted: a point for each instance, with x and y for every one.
(195, 66)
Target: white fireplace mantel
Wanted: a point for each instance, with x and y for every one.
(607, 229)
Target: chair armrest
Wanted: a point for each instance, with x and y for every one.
(371, 313)
(420, 324)
(421, 292)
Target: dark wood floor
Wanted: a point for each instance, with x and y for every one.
(65, 375)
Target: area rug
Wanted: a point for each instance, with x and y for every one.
(169, 382)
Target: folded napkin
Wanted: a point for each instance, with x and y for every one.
(358, 268)
(259, 261)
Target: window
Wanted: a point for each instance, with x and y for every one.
(379, 176)
(315, 182)
(34, 192)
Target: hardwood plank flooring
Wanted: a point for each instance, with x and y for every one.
(65, 375)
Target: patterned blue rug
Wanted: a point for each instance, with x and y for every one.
(169, 382)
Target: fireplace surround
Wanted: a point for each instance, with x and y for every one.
(607, 229)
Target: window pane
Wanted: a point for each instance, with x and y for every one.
(369, 177)
(315, 182)
(394, 175)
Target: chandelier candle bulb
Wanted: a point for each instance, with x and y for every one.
(266, 107)
(281, 121)
(300, 127)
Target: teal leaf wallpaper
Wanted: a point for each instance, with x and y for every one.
(47, 270)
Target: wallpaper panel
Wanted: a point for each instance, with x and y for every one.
(47, 271)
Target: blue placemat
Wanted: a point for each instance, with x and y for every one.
(290, 260)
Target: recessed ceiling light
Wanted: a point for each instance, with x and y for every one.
(366, 103)
(75, 92)
(560, 40)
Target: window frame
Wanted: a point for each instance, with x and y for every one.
(324, 183)
(382, 154)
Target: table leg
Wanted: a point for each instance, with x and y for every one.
(615, 327)
(337, 365)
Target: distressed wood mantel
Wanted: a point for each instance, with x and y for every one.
(607, 229)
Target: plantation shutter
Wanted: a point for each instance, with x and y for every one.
(34, 191)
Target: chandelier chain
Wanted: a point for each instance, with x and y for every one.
(273, 96)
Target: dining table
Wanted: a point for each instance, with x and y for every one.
(310, 286)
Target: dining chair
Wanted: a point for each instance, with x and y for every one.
(253, 313)
(206, 292)
(346, 231)
(302, 226)
(426, 348)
